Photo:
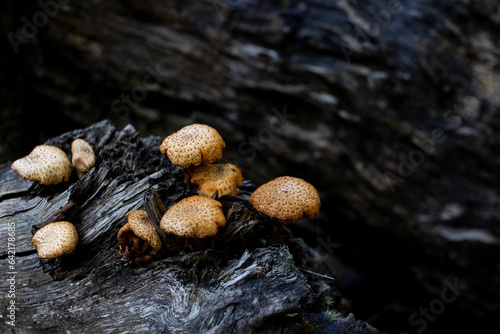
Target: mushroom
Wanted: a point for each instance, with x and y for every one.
(83, 156)
(46, 164)
(286, 198)
(194, 217)
(55, 240)
(192, 145)
(216, 180)
(137, 237)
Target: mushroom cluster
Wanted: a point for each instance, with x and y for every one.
(195, 147)
(189, 220)
(49, 165)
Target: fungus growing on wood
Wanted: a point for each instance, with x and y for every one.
(193, 217)
(192, 145)
(83, 156)
(216, 180)
(286, 198)
(46, 164)
(55, 240)
(137, 237)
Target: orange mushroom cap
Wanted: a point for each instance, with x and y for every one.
(124, 229)
(216, 180)
(192, 145)
(286, 198)
(194, 217)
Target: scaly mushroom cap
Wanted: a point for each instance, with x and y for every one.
(46, 164)
(193, 217)
(216, 180)
(286, 198)
(55, 240)
(124, 229)
(192, 145)
(143, 227)
(83, 156)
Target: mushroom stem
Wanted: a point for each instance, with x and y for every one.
(278, 228)
(133, 246)
(187, 177)
(195, 244)
(80, 174)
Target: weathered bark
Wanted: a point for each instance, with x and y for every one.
(241, 282)
(392, 114)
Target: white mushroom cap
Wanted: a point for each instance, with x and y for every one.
(46, 164)
(55, 240)
(83, 156)
(286, 198)
(192, 145)
(193, 217)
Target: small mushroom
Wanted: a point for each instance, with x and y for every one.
(137, 237)
(216, 180)
(46, 164)
(193, 217)
(286, 198)
(55, 240)
(83, 156)
(192, 145)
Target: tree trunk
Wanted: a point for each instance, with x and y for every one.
(242, 281)
(389, 108)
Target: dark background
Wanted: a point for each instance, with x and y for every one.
(412, 100)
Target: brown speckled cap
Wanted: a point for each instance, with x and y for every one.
(46, 164)
(83, 156)
(194, 217)
(55, 240)
(124, 229)
(143, 227)
(192, 145)
(216, 180)
(286, 198)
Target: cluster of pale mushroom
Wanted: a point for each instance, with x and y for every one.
(195, 147)
(50, 165)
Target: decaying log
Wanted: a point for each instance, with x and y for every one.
(243, 281)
